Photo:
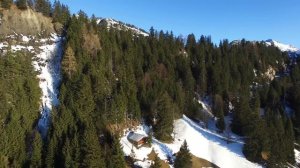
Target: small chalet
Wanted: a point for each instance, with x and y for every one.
(137, 139)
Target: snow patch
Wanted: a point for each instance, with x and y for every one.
(297, 156)
(15, 48)
(3, 45)
(25, 39)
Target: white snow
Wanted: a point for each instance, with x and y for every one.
(118, 25)
(47, 63)
(3, 45)
(25, 39)
(255, 72)
(297, 156)
(202, 143)
(15, 48)
(282, 47)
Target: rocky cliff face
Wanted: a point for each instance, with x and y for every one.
(26, 22)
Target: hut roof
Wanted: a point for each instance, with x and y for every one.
(136, 137)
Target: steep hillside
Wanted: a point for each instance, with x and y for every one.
(26, 22)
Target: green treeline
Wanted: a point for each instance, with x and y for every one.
(20, 143)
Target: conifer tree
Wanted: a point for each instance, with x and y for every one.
(60, 12)
(241, 116)
(36, 158)
(21, 4)
(117, 158)
(202, 69)
(6, 4)
(43, 6)
(257, 145)
(218, 110)
(164, 126)
(57, 11)
(156, 163)
(183, 158)
(69, 62)
(92, 149)
(30, 4)
(67, 154)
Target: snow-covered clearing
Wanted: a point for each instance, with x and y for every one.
(202, 143)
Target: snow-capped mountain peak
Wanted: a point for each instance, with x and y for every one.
(282, 47)
(112, 23)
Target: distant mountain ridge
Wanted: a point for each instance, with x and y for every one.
(293, 51)
(283, 47)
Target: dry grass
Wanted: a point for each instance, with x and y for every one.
(152, 155)
(197, 162)
(202, 163)
(91, 41)
(119, 127)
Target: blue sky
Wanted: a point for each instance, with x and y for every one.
(231, 19)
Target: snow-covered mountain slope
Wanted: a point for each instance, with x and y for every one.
(46, 60)
(202, 143)
(111, 23)
(282, 47)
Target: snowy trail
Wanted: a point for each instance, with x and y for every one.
(47, 63)
(210, 134)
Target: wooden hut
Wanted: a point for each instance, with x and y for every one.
(137, 139)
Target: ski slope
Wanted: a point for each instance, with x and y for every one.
(202, 143)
